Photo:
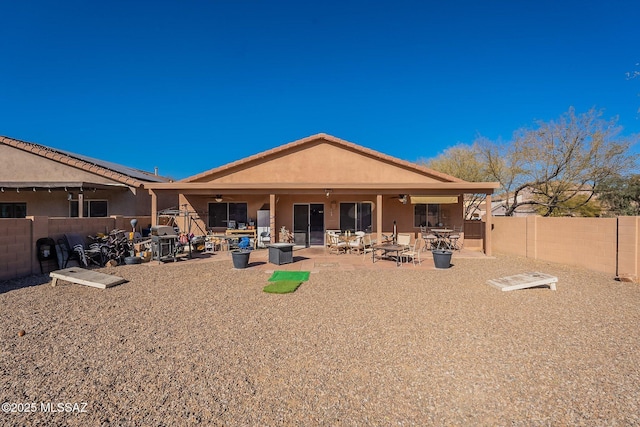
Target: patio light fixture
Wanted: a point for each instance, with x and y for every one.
(218, 198)
(328, 191)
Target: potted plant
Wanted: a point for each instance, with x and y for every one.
(240, 258)
(441, 258)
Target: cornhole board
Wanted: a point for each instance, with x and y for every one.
(524, 280)
(82, 276)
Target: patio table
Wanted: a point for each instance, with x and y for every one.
(442, 235)
(388, 249)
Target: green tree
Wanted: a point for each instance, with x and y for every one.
(576, 206)
(558, 161)
(620, 195)
(462, 161)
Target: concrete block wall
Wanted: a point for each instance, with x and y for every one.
(609, 245)
(509, 235)
(628, 251)
(18, 255)
(15, 252)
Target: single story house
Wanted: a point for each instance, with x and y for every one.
(36, 180)
(322, 183)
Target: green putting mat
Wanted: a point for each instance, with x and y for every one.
(299, 276)
(282, 286)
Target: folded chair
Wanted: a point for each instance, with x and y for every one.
(76, 249)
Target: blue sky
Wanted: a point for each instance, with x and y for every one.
(208, 82)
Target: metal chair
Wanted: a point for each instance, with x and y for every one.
(46, 250)
(454, 238)
(414, 253)
(404, 239)
(265, 239)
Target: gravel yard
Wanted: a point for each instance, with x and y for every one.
(189, 342)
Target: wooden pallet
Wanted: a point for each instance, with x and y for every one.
(85, 277)
(524, 280)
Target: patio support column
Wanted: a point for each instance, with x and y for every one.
(80, 205)
(154, 208)
(272, 218)
(379, 218)
(487, 226)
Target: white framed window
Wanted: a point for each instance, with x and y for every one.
(221, 213)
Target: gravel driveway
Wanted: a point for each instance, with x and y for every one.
(189, 342)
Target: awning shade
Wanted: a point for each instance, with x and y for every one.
(431, 200)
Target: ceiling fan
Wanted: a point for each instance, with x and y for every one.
(218, 198)
(402, 198)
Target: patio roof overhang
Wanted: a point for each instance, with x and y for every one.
(438, 188)
(61, 185)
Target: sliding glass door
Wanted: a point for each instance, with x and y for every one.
(308, 224)
(355, 216)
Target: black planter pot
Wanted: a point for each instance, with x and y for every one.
(240, 259)
(442, 259)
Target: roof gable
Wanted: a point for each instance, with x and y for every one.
(111, 171)
(324, 159)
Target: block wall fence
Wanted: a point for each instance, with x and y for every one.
(18, 255)
(609, 245)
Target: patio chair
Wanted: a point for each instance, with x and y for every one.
(46, 250)
(367, 245)
(336, 246)
(265, 239)
(430, 240)
(414, 253)
(356, 244)
(455, 238)
(76, 249)
(404, 239)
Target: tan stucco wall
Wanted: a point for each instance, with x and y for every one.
(322, 163)
(509, 235)
(18, 165)
(584, 242)
(629, 246)
(393, 210)
(55, 204)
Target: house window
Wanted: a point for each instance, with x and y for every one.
(221, 213)
(426, 215)
(13, 210)
(355, 216)
(91, 208)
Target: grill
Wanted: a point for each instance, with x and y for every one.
(164, 242)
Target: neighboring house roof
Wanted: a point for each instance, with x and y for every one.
(119, 173)
(326, 138)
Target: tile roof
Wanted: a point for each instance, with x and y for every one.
(333, 140)
(123, 174)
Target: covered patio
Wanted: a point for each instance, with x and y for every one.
(323, 183)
